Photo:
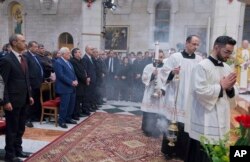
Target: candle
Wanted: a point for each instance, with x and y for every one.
(157, 47)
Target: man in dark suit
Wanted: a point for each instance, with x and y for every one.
(90, 88)
(113, 66)
(101, 71)
(81, 75)
(1, 90)
(45, 61)
(65, 87)
(6, 50)
(36, 78)
(138, 86)
(17, 96)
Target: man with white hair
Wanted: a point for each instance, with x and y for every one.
(66, 82)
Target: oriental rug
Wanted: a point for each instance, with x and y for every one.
(103, 137)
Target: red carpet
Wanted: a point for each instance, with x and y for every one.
(103, 137)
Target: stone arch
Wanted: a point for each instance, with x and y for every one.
(16, 18)
(152, 4)
(65, 39)
(7, 5)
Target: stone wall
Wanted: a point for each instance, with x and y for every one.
(85, 23)
(45, 26)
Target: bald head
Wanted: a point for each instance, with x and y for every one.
(245, 44)
(89, 50)
(17, 42)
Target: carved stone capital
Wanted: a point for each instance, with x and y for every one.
(49, 7)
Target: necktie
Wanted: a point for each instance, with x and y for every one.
(23, 64)
(69, 65)
(112, 65)
(91, 60)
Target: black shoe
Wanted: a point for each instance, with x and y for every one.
(82, 115)
(15, 159)
(63, 125)
(90, 109)
(71, 121)
(76, 118)
(94, 107)
(168, 157)
(22, 154)
(86, 113)
(29, 124)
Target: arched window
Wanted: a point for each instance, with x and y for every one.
(66, 40)
(246, 28)
(162, 21)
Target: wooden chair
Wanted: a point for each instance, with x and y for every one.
(2, 121)
(1, 112)
(51, 106)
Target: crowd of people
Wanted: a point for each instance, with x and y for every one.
(183, 88)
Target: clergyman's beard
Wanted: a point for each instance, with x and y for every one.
(220, 58)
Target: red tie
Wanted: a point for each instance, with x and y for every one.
(23, 64)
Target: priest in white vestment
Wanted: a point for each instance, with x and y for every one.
(177, 99)
(154, 79)
(213, 96)
(242, 62)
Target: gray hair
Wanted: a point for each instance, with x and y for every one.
(12, 38)
(64, 50)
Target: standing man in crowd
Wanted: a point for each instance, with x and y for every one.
(101, 71)
(5, 50)
(213, 88)
(90, 88)
(45, 61)
(112, 76)
(65, 87)
(81, 74)
(36, 79)
(17, 97)
(138, 86)
(180, 66)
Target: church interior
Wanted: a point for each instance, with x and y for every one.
(113, 133)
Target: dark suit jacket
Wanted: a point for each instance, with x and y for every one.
(116, 66)
(1, 90)
(47, 65)
(17, 86)
(81, 75)
(64, 77)
(90, 69)
(101, 70)
(35, 74)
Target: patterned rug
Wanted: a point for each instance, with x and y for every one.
(103, 137)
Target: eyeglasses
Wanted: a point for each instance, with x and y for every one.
(227, 52)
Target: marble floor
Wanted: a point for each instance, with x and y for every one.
(42, 134)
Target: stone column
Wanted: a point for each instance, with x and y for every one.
(92, 24)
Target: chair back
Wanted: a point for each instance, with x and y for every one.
(45, 88)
